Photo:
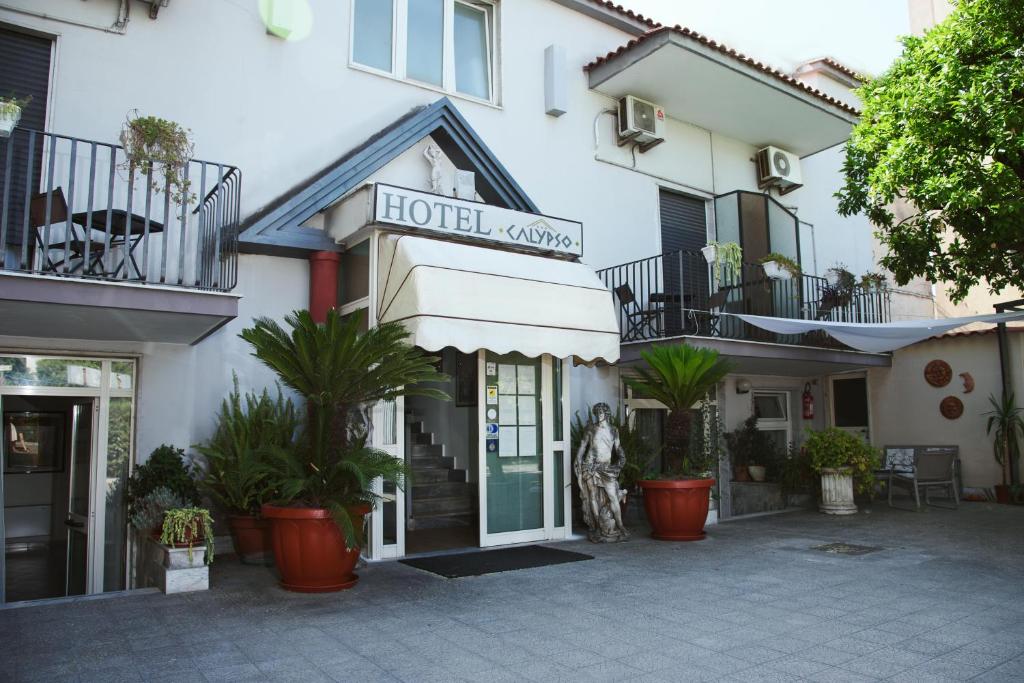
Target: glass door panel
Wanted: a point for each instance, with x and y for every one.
(78, 517)
(514, 448)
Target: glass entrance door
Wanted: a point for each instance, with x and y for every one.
(76, 522)
(520, 496)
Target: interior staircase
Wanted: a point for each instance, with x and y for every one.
(441, 496)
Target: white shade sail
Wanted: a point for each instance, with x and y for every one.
(449, 294)
(876, 337)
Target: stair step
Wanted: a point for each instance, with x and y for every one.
(441, 489)
(443, 506)
(433, 461)
(431, 475)
(423, 438)
(443, 521)
(419, 450)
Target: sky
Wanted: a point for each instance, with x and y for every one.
(859, 33)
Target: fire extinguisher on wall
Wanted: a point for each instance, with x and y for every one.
(808, 400)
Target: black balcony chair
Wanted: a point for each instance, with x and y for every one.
(641, 323)
(713, 310)
(72, 248)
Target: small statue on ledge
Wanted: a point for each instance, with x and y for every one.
(598, 462)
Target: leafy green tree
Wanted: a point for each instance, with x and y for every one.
(942, 132)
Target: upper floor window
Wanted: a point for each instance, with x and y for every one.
(448, 44)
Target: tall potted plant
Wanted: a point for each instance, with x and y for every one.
(321, 482)
(236, 475)
(679, 376)
(844, 461)
(1006, 426)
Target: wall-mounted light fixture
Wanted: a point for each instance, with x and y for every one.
(743, 386)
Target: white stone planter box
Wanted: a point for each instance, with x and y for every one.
(837, 492)
(171, 570)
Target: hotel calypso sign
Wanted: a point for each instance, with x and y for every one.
(458, 217)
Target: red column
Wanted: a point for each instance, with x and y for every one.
(323, 283)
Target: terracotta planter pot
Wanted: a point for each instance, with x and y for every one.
(251, 537)
(740, 473)
(757, 472)
(677, 510)
(309, 549)
(1003, 494)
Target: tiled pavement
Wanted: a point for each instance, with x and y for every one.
(943, 600)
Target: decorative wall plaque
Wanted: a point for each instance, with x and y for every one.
(951, 407)
(938, 373)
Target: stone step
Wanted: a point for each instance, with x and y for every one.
(432, 462)
(430, 475)
(443, 521)
(423, 438)
(443, 506)
(419, 450)
(441, 489)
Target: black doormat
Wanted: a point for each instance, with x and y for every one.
(493, 561)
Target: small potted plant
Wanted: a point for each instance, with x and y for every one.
(873, 281)
(147, 513)
(752, 449)
(679, 376)
(779, 267)
(235, 473)
(10, 113)
(152, 144)
(725, 253)
(843, 461)
(188, 527)
(1006, 426)
(165, 469)
(322, 482)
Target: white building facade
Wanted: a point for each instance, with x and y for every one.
(123, 305)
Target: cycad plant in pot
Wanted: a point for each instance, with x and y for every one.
(845, 462)
(321, 483)
(1005, 425)
(235, 473)
(680, 377)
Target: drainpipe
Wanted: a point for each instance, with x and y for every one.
(1005, 368)
(323, 283)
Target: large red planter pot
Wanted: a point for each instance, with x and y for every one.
(251, 537)
(677, 510)
(309, 549)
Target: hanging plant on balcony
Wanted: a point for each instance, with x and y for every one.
(840, 286)
(157, 146)
(871, 280)
(10, 113)
(727, 253)
(777, 266)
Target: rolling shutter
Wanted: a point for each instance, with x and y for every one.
(683, 228)
(24, 71)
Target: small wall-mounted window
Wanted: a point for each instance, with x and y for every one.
(772, 411)
(445, 44)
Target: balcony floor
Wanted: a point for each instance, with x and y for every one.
(72, 308)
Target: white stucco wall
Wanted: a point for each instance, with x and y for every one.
(905, 408)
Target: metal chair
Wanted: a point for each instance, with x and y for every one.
(638, 320)
(60, 232)
(928, 471)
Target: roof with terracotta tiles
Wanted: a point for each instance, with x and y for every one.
(842, 68)
(619, 9)
(728, 51)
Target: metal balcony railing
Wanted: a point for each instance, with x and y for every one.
(74, 208)
(676, 294)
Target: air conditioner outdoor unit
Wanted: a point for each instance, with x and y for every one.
(778, 167)
(641, 121)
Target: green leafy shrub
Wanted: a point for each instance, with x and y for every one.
(748, 445)
(641, 456)
(832, 448)
(187, 526)
(165, 468)
(236, 474)
(148, 512)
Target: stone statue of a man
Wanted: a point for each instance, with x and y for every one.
(598, 462)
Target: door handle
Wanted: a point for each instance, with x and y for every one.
(72, 523)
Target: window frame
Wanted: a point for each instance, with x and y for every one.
(774, 424)
(399, 48)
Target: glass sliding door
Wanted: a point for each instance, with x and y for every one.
(521, 497)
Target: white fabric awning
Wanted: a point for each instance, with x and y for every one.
(876, 337)
(450, 294)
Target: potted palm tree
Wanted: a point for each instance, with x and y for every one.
(679, 376)
(1006, 425)
(321, 483)
(236, 475)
